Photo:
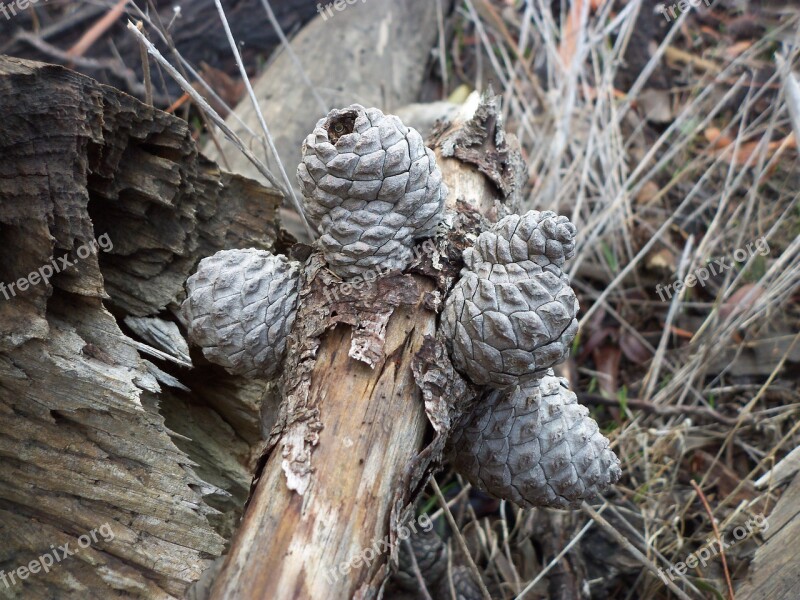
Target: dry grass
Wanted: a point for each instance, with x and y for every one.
(702, 386)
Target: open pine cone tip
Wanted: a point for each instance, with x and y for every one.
(371, 187)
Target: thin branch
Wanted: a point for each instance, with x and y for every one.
(703, 499)
(633, 550)
(423, 589)
(148, 84)
(200, 101)
(289, 187)
(462, 544)
(293, 55)
(555, 560)
(98, 29)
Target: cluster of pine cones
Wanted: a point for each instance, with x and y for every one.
(509, 319)
(372, 189)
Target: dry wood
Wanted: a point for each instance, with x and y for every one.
(773, 573)
(89, 432)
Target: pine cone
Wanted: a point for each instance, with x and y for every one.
(511, 316)
(371, 187)
(535, 446)
(464, 585)
(240, 307)
(431, 556)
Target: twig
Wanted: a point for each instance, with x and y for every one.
(666, 410)
(423, 589)
(64, 23)
(556, 558)
(453, 501)
(200, 101)
(289, 187)
(148, 84)
(177, 104)
(703, 499)
(116, 67)
(460, 538)
(163, 31)
(451, 591)
(293, 55)
(188, 68)
(98, 29)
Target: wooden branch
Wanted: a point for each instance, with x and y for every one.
(349, 454)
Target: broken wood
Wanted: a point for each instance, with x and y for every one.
(773, 572)
(92, 433)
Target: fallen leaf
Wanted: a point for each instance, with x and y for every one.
(662, 259)
(714, 137)
(648, 193)
(633, 349)
(595, 339)
(741, 300)
(655, 106)
(606, 360)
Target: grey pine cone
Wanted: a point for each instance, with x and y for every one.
(430, 553)
(464, 585)
(535, 446)
(239, 308)
(511, 315)
(371, 187)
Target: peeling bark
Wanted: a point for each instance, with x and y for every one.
(92, 433)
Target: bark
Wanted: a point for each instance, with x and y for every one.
(370, 396)
(92, 431)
